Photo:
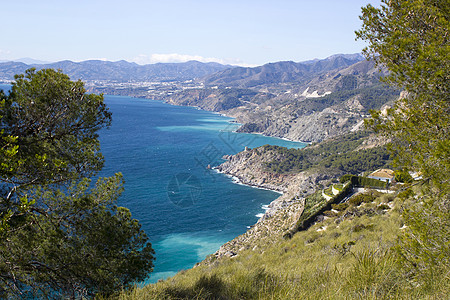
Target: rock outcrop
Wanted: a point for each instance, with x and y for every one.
(249, 168)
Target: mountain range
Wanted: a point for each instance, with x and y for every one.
(279, 72)
(120, 71)
(308, 101)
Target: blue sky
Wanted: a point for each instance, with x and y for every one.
(245, 32)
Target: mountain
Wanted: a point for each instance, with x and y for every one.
(300, 101)
(308, 101)
(279, 72)
(120, 71)
(27, 60)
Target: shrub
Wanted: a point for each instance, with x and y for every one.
(346, 177)
(403, 176)
(368, 182)
(340, 206)
(383, 206)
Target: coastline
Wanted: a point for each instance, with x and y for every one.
(233, 121)
(238, 180)
(271, 218)
(268, 208)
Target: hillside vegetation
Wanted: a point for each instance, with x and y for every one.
(341, 154)
(353, 253)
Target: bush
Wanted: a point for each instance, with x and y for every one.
(383, 206)
(346, 177)
(372, 275)
(403, 176)
(358, 199)
(369, 182)
(338, 187)
(340, 206)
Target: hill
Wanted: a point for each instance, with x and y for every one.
(120, 71)
(309, 101)
(279, 72)
(308, 247)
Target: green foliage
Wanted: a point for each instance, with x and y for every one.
(411, 39)
(316, 204)
(55, 124)
(340, 206)
(368, 182)
(383, 207)
(425, 241)
(338, 187)
(79, 243)
(328, 191)
(337, 154)
(345, 178)
(358, 161)
(61, 238)
(362, 198)
(403, 176)
(370, 274)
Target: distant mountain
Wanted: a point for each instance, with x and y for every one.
(27, 60)
(120, 71)
(308, 101)
(279, 72)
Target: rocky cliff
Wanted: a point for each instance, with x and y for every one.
(249, 167)
(297, 173)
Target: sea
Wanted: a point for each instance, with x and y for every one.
(166, 154)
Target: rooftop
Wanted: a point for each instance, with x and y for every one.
(382, 173)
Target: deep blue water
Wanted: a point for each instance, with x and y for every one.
(163, 151)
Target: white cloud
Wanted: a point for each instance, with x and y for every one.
(143, 59)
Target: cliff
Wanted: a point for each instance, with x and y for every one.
(249, 167)
(297, 173)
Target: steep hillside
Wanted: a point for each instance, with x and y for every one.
(290, 104)
(351, 251)
(279, 72)
(309, 247)
(297, 173)
(321, 263)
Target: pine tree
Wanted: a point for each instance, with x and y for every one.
(59, 236)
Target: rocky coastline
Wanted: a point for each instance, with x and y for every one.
(281, 214)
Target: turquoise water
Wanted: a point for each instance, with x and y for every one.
(163, 151)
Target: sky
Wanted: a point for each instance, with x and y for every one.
(237, 32)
